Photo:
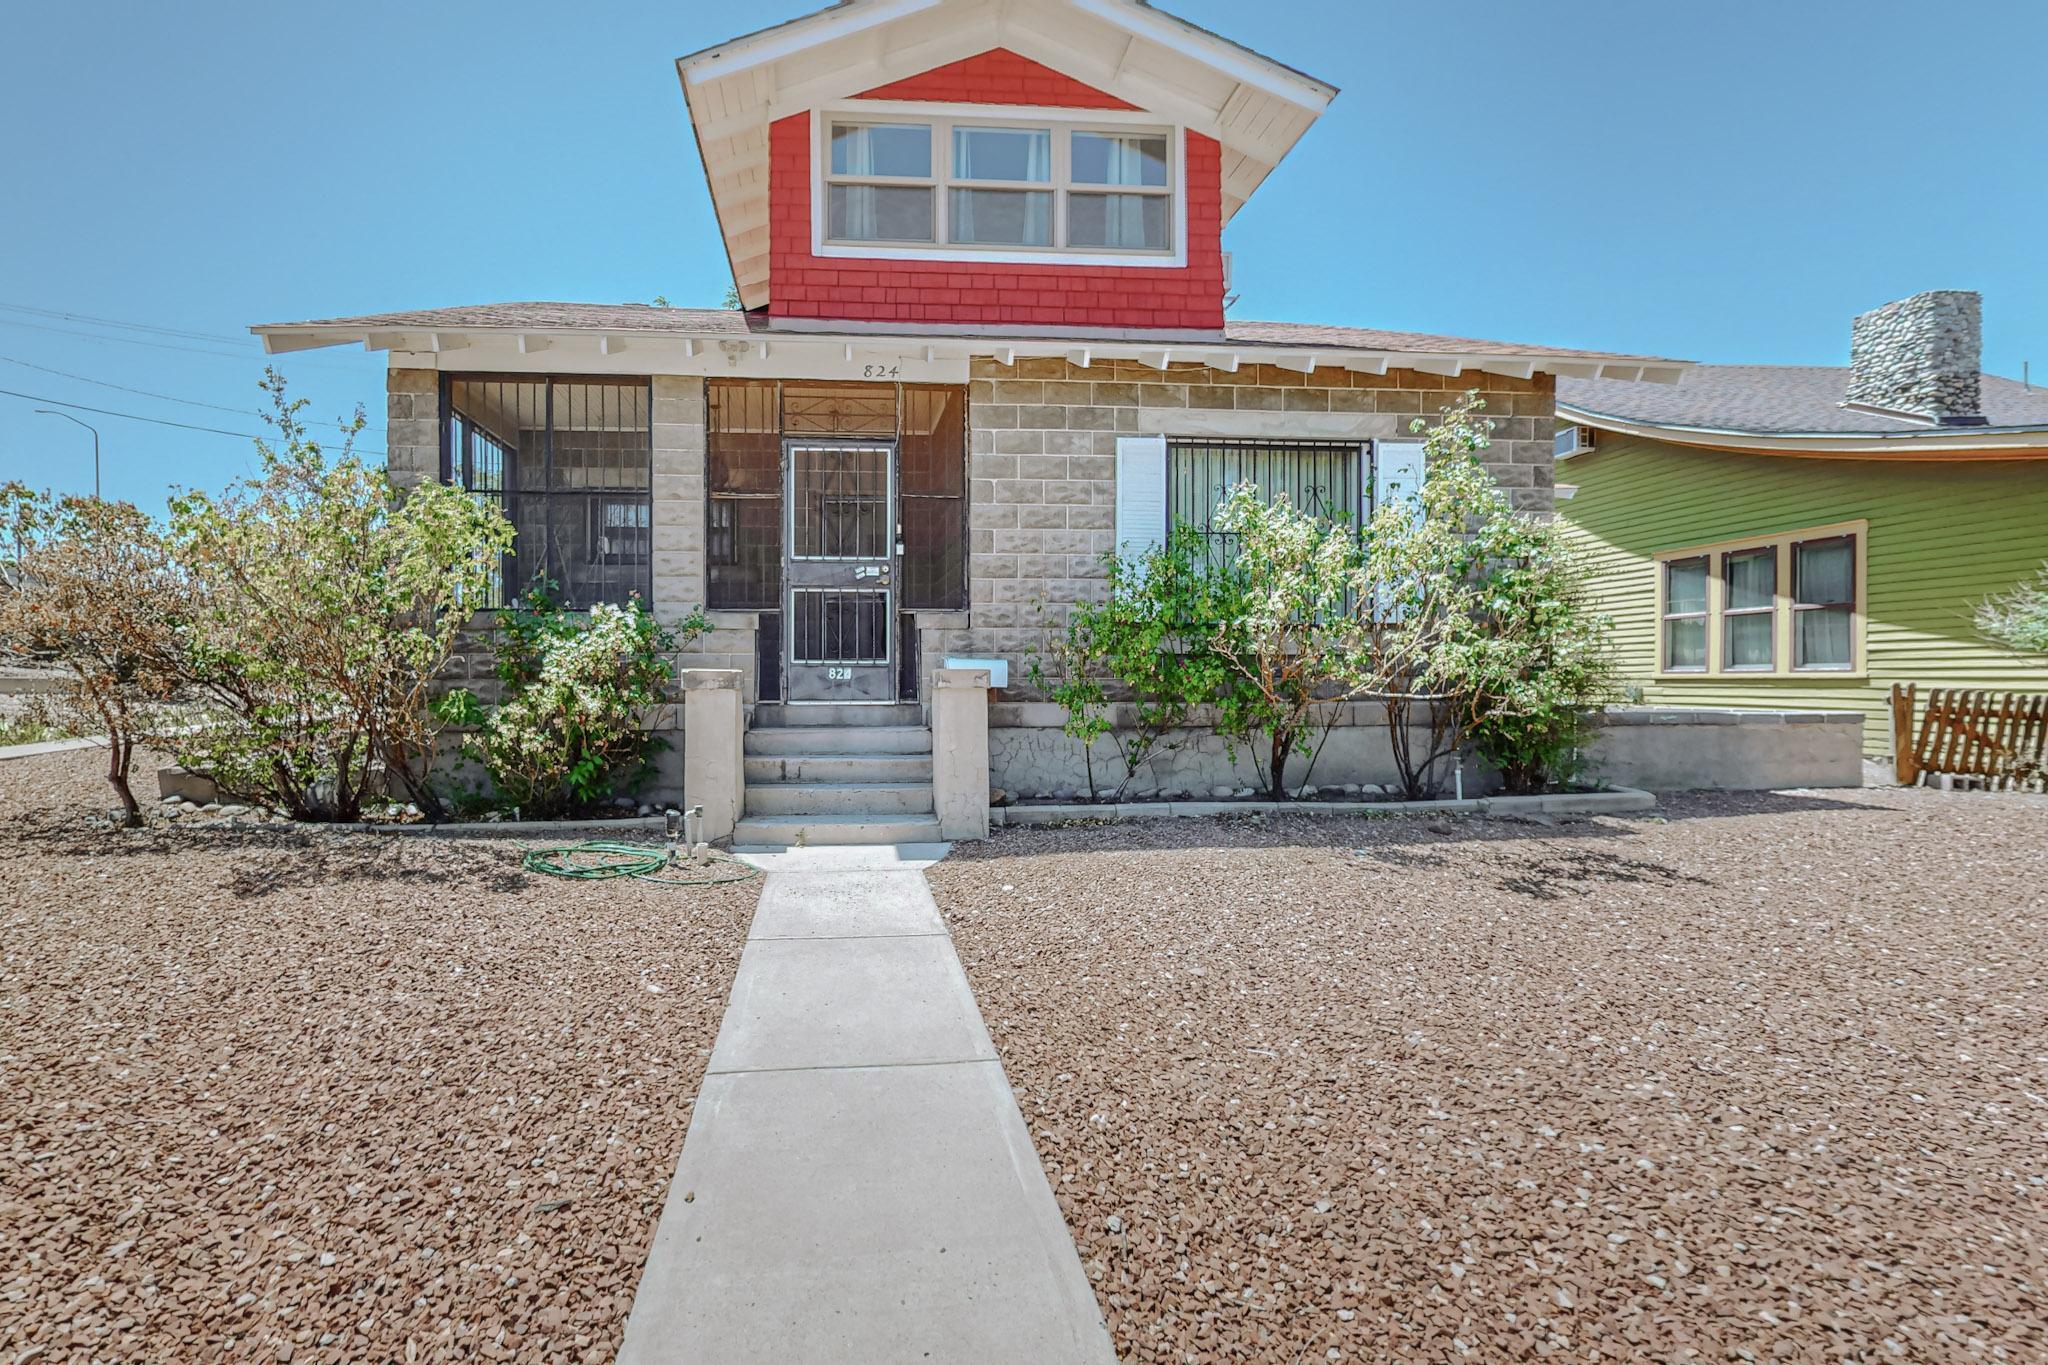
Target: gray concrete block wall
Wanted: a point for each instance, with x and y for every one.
(412, 432)
(680, 565)
(1042, 466)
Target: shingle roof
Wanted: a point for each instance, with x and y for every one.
(1781, 400)
(640, 317)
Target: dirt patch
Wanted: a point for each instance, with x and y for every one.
(1765, 1080)
(285, 1095)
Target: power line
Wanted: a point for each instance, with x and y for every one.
(62, 316)
(145, 393)
(243, 357)
(158, 421)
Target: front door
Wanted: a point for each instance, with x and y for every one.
(839, 569)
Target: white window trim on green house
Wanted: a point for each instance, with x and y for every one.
(1784, 608)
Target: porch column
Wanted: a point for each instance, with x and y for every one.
(960, 751)
(714, 736)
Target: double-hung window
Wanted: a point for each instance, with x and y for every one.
(1776, 606)
(994, 185)
(1685, 615)
(880, 187)
(1749, 609)
(1824, 603)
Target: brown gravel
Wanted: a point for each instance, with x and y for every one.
(1766, 1081)
(319, 1097)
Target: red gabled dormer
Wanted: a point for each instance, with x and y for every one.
(1040, 163)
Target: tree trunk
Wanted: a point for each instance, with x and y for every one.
(1283, 748)
(120, 754)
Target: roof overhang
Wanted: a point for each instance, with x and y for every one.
(862, 353)
(1255, 107)
(1931, 443)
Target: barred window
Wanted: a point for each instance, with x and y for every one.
(570, 462)
(1323, 478)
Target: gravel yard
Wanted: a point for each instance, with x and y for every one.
(1767, 1080)
(273, 1095)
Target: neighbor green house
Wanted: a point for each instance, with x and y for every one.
(1803, 537)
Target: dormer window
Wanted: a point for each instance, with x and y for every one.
(997, 188)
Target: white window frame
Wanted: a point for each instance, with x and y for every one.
(942, 119)
(1784, 608)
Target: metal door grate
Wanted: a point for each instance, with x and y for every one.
(839, 626)
(840, 507)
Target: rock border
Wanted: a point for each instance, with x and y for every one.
(1615, 800)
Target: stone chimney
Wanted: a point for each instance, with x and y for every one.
(1920, 356)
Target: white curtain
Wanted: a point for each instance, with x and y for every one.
(1002, 154)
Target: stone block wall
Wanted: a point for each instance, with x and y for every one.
(1042, 464)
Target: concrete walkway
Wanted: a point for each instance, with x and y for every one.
(857, 1183)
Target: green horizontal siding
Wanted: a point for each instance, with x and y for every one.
(1942, 537)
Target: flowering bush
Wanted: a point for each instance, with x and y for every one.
(1463, 618)
(1489, 616)
(2018, 618)
(580, 691)
(323, 604)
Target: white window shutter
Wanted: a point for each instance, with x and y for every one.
(1140, 494)
(1397, 472)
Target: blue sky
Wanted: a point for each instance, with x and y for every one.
(1723, 182)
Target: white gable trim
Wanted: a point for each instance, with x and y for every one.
(1257, 109)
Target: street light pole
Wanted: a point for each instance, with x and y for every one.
(52, 412)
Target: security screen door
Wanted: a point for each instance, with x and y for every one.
(840, 568)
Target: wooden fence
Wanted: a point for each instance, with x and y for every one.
(1998, 736)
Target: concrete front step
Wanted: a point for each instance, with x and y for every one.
(838, 768)
(859, 740)
(840, 798)
(787, 831)
(811, 715)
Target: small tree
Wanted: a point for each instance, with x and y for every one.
(2018, 618)
(326, 605)
(1486, 619)
(89, 588)
(1289, 629)
(579, 690)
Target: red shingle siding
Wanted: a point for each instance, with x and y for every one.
(998, 76)
(964, 290)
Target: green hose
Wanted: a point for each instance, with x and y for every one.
(605, 859)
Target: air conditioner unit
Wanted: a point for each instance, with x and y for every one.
(1571, 440)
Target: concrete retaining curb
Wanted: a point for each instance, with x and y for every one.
(459, 829)
(1611, 802)
(49, 746)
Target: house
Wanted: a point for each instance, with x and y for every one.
(979, 248)
(1805, 536)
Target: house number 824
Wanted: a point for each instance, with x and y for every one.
(839, 674)
(880, 371)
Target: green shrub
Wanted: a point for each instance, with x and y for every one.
(323, 604)
(1144, 644)
(579, 691)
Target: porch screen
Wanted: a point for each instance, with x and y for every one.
(932, 497)
(744, 516)
(1321, 477)
(570, 461)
